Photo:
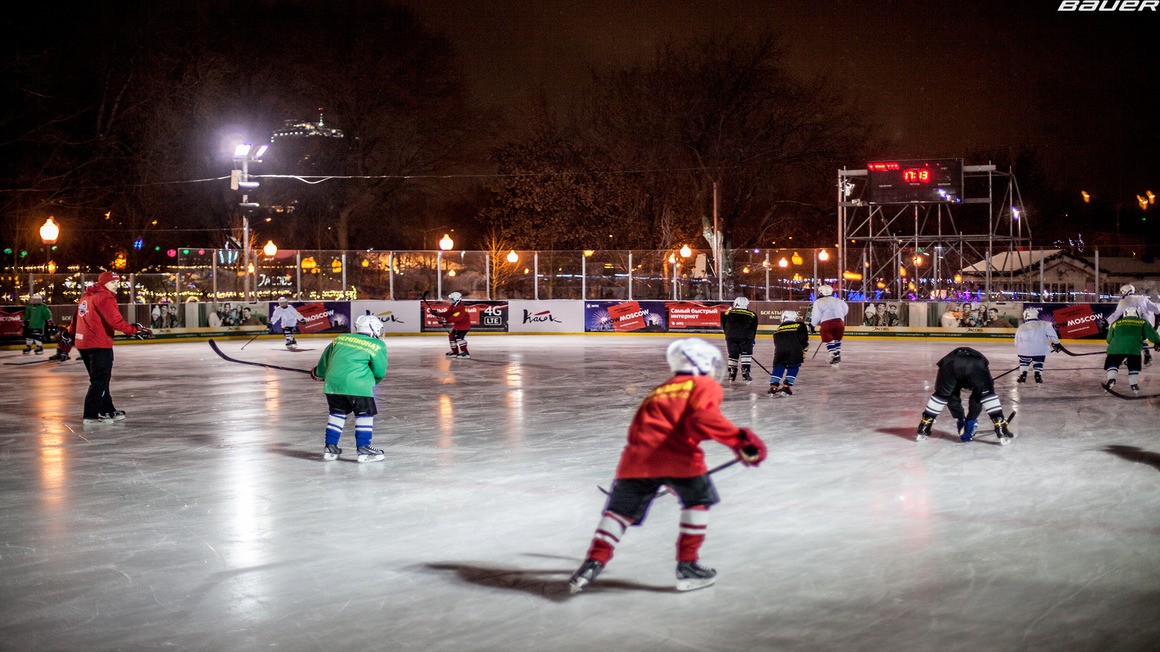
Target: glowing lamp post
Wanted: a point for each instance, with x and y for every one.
(270, 249)
(49, 231)
(513, 257)
(445, 244)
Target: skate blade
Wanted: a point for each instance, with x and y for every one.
(694, 583)
(577, 586)
(329, 457)
(371, 458)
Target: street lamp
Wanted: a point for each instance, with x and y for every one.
(244, 154)
(49, 232)
(446, 243)
(270, 249)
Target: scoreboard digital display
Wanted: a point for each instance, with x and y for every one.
(917, 181)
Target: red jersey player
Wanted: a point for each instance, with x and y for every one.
(460, 320)
(664, 449)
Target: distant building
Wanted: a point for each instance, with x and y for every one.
(1064, 275)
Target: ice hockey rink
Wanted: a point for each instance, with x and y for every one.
(208, 521)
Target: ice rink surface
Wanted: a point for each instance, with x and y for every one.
(208, 521)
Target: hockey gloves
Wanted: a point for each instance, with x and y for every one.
(64, 338)
(141, 333)
(750, 449)
(1056, 346)
(314, 375)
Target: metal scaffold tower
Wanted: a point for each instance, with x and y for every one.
(910, 227)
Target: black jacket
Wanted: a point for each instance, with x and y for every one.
(739, 324)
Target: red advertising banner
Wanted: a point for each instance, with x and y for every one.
(317, 317)
(694, 315)
(626, 316)
(12, 323)
(1076, 321)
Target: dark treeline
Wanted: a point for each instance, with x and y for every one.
(118, 118)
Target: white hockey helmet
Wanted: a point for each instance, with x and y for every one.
(283, 301)
(696, 356)
(37, 298)
(788, 316)
(825, 290)
(1030, 313)
(1131, 311)
(455, 297)
(369, 325)
(741, 303)
(1125, 290)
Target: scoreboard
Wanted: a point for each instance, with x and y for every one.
(916, 181)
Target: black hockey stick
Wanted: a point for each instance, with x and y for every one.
(267, 330)
(1005, 373)
(213, 345)
(1076, 355)
(442, 323)
(16, 364)
(669, 491)
(1127, 397)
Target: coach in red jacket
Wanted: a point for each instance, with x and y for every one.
(97, 318)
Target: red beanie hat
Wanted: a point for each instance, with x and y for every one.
(105, 277)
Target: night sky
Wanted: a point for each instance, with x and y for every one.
(945, 79)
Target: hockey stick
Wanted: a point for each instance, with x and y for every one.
(669, 491)
(442, 323)
(1134, 397)
(1005, 373)
(213, 345)
(1076, 355)
(254, 338)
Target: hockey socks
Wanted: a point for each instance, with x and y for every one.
(608, 533)
(364, 427)
(334, 426)
(694, 522)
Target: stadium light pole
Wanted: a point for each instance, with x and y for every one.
(244, 154)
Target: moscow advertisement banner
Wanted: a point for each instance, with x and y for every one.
(1074, 321)
(624, 316)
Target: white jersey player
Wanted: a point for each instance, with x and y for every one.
(285, 320)
(829, 313)
(1034, 339)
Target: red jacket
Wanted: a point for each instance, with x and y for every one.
(664, 440)
(97, 316)
(456, 316)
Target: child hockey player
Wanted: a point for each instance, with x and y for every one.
(352, 365)
(1125, 340)
(740, 326)
(286, 319)
(1148, 311)
(790, 342)
(64, 341)
(664, 450)
(37, 320)
(965, 368)
(460, 320)
(829, 313)
(1033, 339)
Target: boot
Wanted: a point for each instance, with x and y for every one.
(924, 427)
(1022, 377)
(1002, 431)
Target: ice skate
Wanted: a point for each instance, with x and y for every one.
(746, 377)
(835, 360)
(1147, 358)
(1038, 378)
(118, 415)
(27, 350)
(732, 374)
(40, 350)
(692, 575)
(59, 357)
(451, 354)
(331, 452)
(1022, 377)
(100, 418)
(369, 454)
(787, 390)
(1135, 389)
(1110, 385)
(584, 575)
(774, 391)
(464, 356)
(924, 427)
(1002, 431)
